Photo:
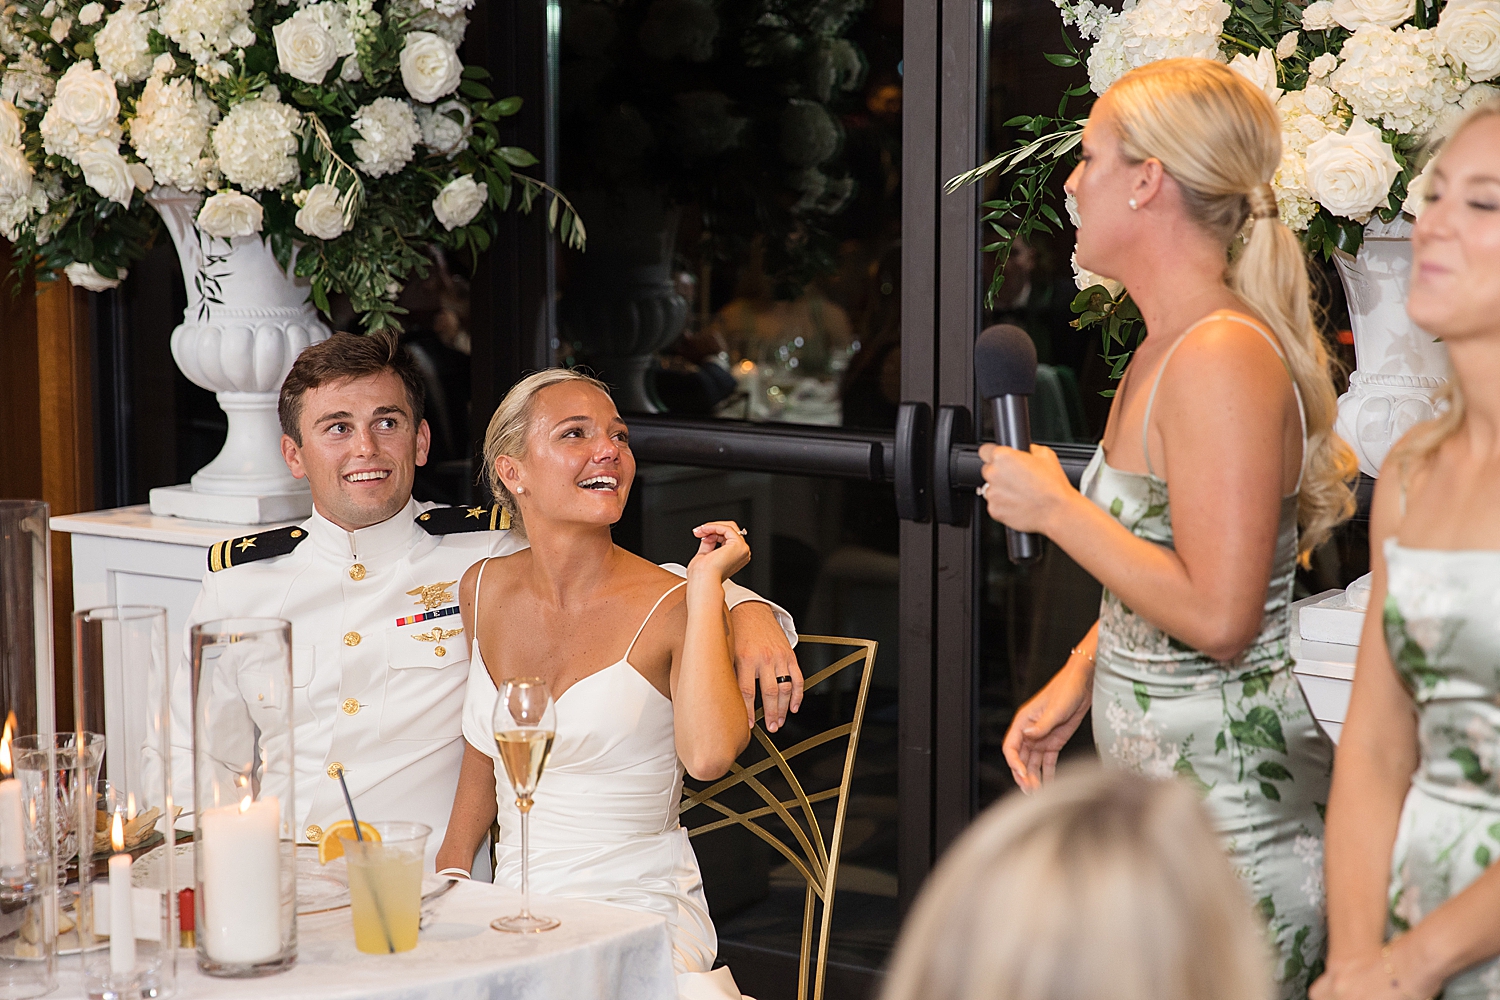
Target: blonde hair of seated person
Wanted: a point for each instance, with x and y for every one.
(1105, 884)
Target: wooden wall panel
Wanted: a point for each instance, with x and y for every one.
(46, 437)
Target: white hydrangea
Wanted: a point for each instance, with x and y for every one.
(1152, 30)
(208, 29)
(1398, 78)
(450, 27)
(123, 45)
(388, 132)
(15, 173)
(447, 8)
(1259, 69)
(21, 196)
(28, 82)
(256, 144)
(440, 133)
(170, 132)
(1469, 31)
(11, 125)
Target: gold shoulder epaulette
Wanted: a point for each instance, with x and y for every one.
(452, 520)
(248, 548)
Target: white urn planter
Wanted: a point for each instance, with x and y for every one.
(1399, 368)
(239, 347)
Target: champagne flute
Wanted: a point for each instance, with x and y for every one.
(524, 723)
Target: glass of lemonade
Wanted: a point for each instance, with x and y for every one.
(385, 887)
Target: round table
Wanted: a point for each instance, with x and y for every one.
(599, 951)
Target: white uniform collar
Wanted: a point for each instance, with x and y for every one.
(390, 535)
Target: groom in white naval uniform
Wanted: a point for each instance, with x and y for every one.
(370, 585)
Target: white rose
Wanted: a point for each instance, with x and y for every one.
(304, 47)
(229, 214)
(1260, 70)
(86, 97)
(1317, 99)
(320, 214)
(60, 29)
(1287, 47)
(1322, 66)
(90, 13)
(1469, 31)
(123, 45)
(1351, 174)
(1356, 14)
(429, 67)
(106, 171)
(1318, 16)
(1088, 279)
(10, 124)
(458, 203)
(141, 174)
(15, 175)
(84, 276)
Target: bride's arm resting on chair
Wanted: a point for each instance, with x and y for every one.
(707, 710)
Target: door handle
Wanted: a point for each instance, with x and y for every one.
(913, 461)
(952, 502)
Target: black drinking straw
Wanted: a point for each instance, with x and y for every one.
(359, 836)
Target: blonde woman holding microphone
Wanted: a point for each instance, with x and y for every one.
(1217, 470)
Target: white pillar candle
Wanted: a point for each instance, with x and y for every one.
(121, 916)
(12, 824)
(241, 865)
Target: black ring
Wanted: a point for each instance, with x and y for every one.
(784, 679)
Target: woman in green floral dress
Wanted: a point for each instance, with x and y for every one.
(1414, 815)
(1219, 447)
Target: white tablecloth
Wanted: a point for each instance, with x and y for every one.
(599, 951)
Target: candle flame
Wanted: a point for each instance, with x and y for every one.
(5, 759)
(117, 832)
(245, 804)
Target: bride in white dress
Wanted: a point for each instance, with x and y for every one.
(637, 660)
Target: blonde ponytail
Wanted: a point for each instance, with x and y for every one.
(1219, 137)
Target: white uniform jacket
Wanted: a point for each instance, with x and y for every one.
(379, 661)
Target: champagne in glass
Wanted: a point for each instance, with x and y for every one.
(525, 724)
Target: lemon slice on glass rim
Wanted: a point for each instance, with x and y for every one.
(332, 844)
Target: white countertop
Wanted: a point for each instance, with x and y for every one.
(139, 523)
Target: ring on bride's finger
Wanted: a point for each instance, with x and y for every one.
(744, 531)
(784, 679)
(982, 491)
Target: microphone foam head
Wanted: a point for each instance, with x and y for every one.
(1005, 362)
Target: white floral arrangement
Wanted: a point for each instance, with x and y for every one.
(1364, 88)
(348, 134)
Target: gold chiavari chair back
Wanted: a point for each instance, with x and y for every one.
(785, 818)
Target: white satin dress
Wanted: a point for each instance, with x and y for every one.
(604, 824)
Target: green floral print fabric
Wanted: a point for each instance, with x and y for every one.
(1442, 628)
(1239, 732)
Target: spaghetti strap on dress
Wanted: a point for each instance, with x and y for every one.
(604, 824)
(1240, 731)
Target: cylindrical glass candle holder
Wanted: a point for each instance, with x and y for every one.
(243, 780)
(29, 918)
(127, 879)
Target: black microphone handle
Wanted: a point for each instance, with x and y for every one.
(1013, 430)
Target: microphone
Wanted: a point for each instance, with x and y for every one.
(1005, 368)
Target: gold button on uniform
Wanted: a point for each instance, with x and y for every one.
(351, 706)
(357, 571)
(313, 834)
(334, 769)
(440, 651)
(351, 638)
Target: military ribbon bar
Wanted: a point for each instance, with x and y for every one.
(427, 615)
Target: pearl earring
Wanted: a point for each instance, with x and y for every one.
(1133, 205)
(520, 489)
